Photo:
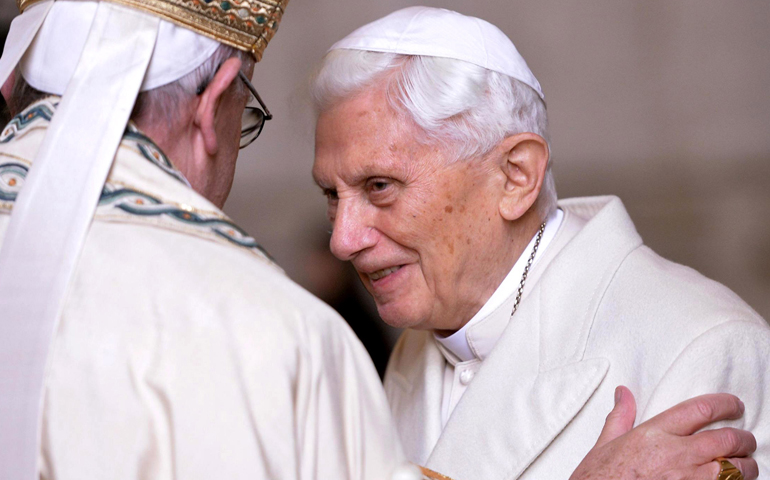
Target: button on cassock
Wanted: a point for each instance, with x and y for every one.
(466, 376)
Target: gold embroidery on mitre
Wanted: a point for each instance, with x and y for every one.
(243, 24)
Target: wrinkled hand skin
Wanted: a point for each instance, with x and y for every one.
(666, 447)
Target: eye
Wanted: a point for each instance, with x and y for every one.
(379, 185)
(331, 203)
(331, 195)
(381, 191)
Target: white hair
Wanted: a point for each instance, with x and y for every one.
(460, 106)
(163, 103)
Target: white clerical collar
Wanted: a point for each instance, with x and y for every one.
(457, 343)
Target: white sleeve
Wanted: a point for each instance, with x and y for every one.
(733, 357)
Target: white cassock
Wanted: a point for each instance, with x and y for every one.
(184, 352)
(525, 396)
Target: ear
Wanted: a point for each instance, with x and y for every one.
(525, 160)
(210, 100)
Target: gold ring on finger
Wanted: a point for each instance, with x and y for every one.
(728, 471)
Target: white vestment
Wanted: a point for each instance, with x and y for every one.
(184, 352)
(464, 352)
(599, 310)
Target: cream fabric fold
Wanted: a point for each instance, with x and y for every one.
(52, 215)
(20, 36)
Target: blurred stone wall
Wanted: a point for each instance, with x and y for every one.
(662, 102)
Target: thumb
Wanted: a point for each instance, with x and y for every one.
(621, 418)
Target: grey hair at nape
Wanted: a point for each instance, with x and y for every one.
(464, 108)
(162, 104)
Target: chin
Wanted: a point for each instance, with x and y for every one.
(401, 316)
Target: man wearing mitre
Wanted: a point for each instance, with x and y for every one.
(144, 334)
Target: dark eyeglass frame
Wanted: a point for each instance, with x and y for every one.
(253, 118)
(262, 114)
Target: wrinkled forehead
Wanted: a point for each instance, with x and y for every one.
(364, 136)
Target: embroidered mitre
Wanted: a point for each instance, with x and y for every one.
(243, 24)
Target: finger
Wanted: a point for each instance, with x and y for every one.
(710, 471)
(621, 418)
(691, 415)
(748, 467)
(723, 442)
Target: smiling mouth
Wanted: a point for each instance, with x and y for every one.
(383, 273)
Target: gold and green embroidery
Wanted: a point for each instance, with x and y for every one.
(117, 197)
(44, 110)
(40, 111)
(12, 175)
(152, 152)
(144, 205)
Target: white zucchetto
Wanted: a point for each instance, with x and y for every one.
(436, 32)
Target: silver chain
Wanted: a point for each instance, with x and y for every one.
(527, 267)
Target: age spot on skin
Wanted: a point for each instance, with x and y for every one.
(448, 209)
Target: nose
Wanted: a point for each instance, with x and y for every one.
(351, 232)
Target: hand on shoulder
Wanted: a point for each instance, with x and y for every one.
(667, 446)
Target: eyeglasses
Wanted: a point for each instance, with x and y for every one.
(253, 118)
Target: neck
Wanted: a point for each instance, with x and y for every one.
(521, 233)
(176, 140)
(518, 234)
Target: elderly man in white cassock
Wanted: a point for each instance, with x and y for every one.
(523, 314)
(144, 335)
